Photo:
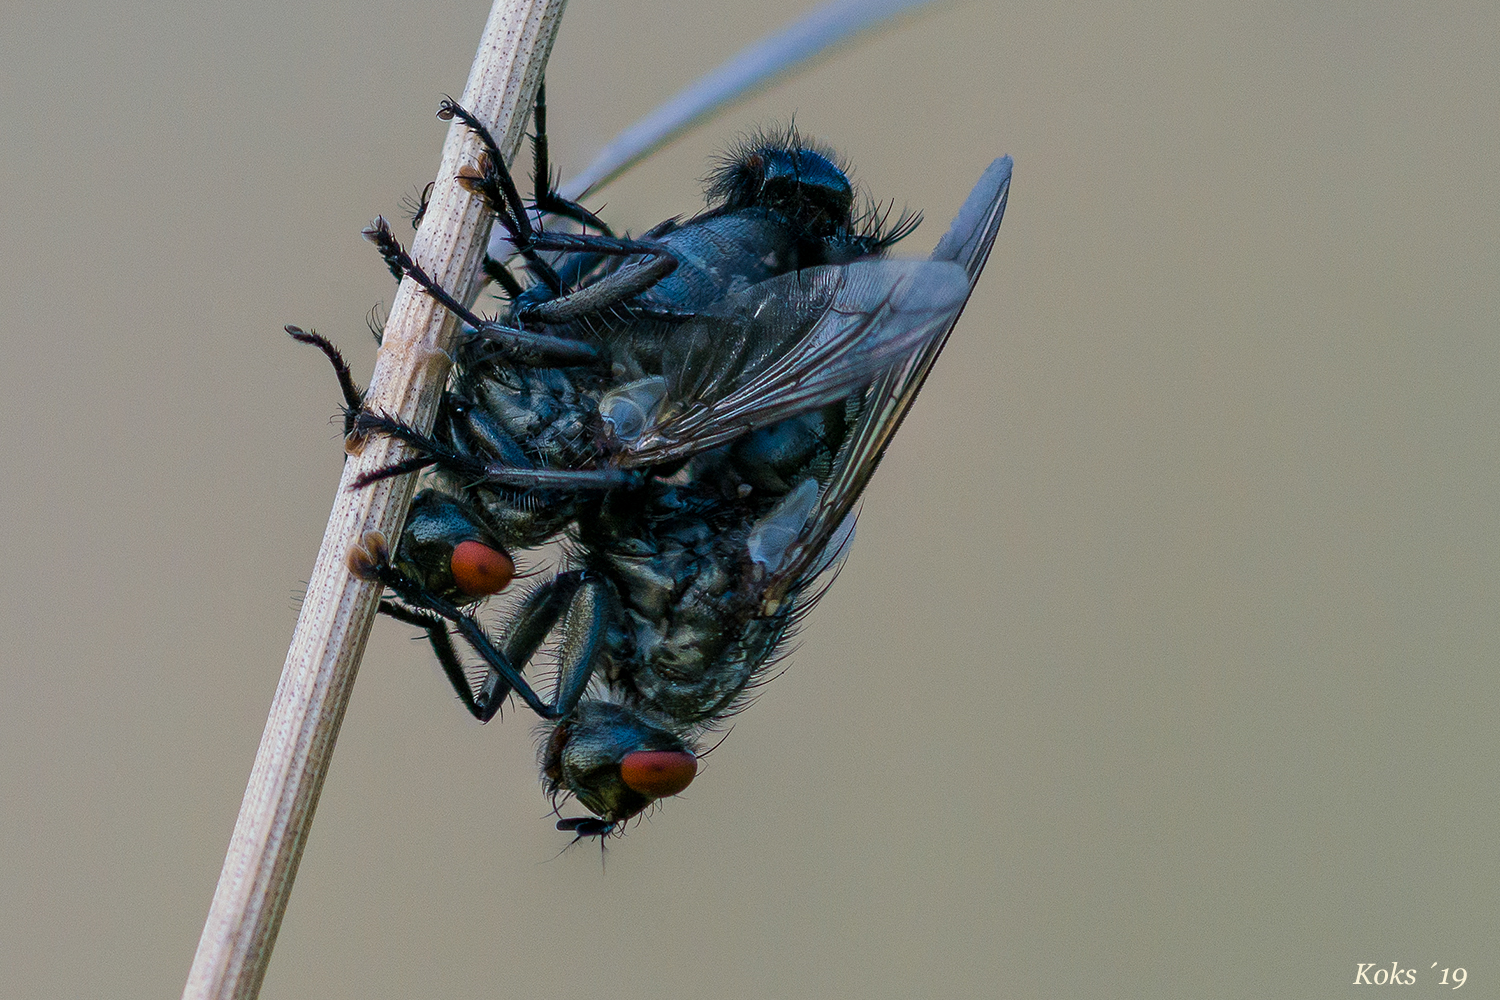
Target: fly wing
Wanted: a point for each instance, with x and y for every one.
(791, 344)
(966, 245)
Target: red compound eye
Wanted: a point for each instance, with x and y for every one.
(480, 570)
(657, 773)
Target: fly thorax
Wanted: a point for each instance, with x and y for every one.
(532, 405)
(723, 254)
(548, 418)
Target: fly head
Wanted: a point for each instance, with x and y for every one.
(614, 762)
(447, 549)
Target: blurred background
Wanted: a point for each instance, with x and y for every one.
(1165, 662)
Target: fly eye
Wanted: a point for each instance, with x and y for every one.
(658, 773)
(479, 570)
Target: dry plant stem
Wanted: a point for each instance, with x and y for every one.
(277, 810)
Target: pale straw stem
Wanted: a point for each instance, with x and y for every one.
(412, 366)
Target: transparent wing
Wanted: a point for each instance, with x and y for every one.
(789, 49)
(785, 52)
(966, 245)
(792, 344)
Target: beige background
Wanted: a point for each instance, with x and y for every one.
(1165, 663)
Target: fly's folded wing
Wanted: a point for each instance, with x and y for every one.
(965, 247)
(791, 344)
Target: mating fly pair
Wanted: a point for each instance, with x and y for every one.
(694, 413)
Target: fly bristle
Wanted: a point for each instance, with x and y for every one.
(733, 168)
(873, 225)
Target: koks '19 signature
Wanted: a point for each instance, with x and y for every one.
(1374, 974)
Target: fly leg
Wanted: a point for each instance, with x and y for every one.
(615, 288)
(534, 619)
(544, 190)
(354, 399)
(493, 182)
(483, 706)
(537, 350)
(546, 199)
(583, 606)
(583, 634)
(371, 561)
(433, 452)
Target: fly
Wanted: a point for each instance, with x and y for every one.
(694, 413)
